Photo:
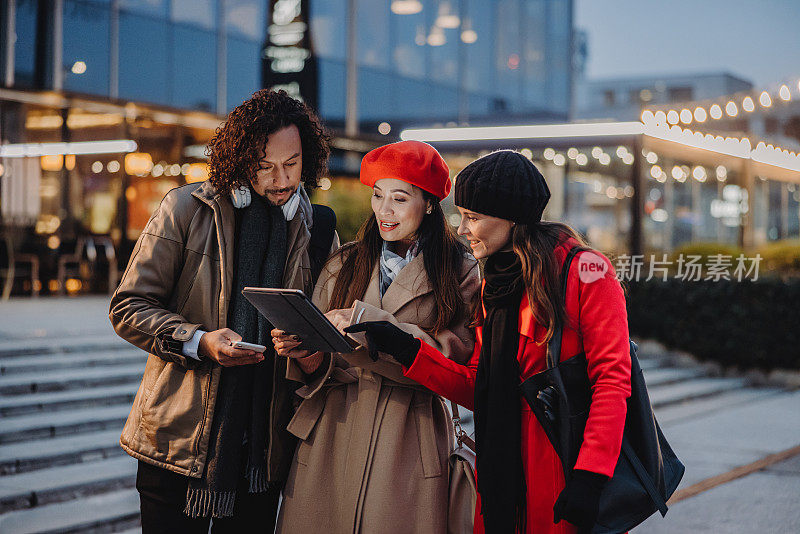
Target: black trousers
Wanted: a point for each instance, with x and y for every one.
(162, 495)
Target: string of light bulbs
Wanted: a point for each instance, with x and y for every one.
(728, 107)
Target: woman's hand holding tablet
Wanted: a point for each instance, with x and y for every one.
(286, 345)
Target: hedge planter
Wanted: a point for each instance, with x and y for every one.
(746, 324)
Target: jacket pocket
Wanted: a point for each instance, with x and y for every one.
(173, 413)
(303, 424)
(149, 385)
(303, 451)
(191, 271)
(153, 370)
(153, 379)
(426, 435)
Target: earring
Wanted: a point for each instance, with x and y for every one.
(240, 196)
(429, 210)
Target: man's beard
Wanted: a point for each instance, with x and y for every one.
(290, 190)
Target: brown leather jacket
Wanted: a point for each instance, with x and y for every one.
(178, 280)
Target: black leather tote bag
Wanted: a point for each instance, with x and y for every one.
(647, 472)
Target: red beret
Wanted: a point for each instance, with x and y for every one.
(414, 162)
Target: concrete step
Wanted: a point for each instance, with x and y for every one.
(53, 345)
(68, 400)
(26, 456)
(693, 389)
(650, 363)
(59, 380)
(699, 407)
(666, 376)
(99, 513)
(39, 362)
(61, 423)
(59, 484)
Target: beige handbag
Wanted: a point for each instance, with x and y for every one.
(463, 487)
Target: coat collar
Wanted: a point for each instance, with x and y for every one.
(527, 324)
(411, 282)
(223, 208)
(206, 192)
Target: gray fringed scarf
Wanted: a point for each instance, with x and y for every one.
(392, 263)
(241, 411)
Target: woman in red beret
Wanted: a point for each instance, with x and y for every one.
(521, 483)
(374, 445)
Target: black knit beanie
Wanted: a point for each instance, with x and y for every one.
(503, 184)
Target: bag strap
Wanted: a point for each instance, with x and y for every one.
(461, 435)
(644, 477)
(321, 237)
(554, 346)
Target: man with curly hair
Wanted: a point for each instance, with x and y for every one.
(208, 424)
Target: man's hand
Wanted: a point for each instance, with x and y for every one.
(218, 346)
(286, 345)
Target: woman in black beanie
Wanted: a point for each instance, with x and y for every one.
(521, 484)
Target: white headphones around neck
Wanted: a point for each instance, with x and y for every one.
(241, 196)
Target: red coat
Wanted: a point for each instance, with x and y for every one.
(603, 335)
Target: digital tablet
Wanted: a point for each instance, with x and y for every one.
(293, 312)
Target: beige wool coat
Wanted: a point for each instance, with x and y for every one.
(373, 447)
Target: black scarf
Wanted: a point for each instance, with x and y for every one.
(243, 397)
(501, 480)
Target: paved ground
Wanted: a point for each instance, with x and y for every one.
(66, 384)
(765, 501)
(53, 317)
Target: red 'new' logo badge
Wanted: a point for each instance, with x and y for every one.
(591, 267)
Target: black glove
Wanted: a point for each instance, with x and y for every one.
(383, 336)
(579, 502)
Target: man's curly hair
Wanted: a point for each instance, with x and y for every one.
(238, 144)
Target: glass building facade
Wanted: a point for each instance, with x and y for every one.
(509, 57)
(499, 58)
(190, 54)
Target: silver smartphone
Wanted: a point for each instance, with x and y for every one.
(248, 346)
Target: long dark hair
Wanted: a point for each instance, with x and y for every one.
(443, 256)
(534, 244)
